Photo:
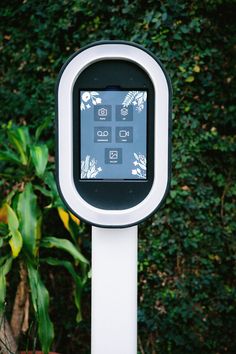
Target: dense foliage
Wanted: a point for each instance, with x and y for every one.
(187, 250)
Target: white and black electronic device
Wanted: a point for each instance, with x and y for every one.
(113, 170)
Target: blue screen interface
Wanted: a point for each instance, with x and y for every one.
(113, 135)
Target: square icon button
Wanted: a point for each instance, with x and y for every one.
(124, 114)
(102, 134)
(124, 134)
(113, 156)
(102, 113)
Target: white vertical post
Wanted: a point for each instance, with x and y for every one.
(114, 290)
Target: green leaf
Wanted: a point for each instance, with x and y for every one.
(9, 156)
(49, 179)
(20, 139)
(4, 269)
(41, 127)
(40, 299)
(30, 219)
(39, 155)
(16, 241)
(79, 283)
(65, 245)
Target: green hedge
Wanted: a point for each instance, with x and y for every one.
(186, 250)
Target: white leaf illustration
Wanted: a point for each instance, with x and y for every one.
(89, 168)
(86, 96)
(141, 162)
(89, 98)
(137, 98)
(82, 106)
(98, 100)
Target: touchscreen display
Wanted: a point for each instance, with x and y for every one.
(113, 135)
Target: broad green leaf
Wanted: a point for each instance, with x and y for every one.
(40, 299)
(20, 139)
(4, 269)
(64, 245)
(30, 219)
(39, 155)
(16, 241)
(9, 156)
(79, 283)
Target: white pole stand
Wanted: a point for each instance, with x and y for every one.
(114, 290)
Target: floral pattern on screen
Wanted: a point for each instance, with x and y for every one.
(136, 98)
(89, 168)
(140, 164)
(88, 99)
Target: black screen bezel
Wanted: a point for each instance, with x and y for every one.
(113, 194)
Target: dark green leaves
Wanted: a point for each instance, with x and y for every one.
(64, 245)
(40, 299)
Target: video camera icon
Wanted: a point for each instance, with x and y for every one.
(102, 113)
(124, 134)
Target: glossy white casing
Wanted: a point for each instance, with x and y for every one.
(98, 216)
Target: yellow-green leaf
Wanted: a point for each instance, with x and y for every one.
(196, 69)
(13, 221)
(39, 155)
(64, 216)
(74, 218)
(182, 69)
(16, 241)
(189, 79)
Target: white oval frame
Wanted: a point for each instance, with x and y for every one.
(98, 216)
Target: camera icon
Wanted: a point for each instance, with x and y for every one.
(102, 112)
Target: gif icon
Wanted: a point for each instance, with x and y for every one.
(102, 113)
